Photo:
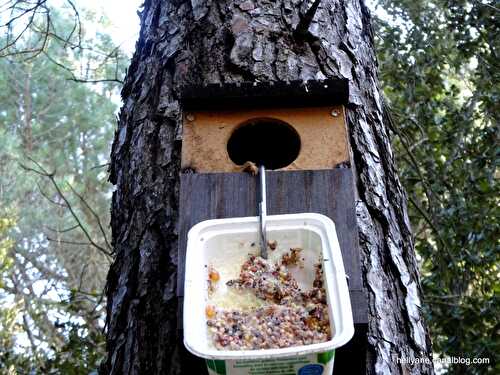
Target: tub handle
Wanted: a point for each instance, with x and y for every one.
(263, 212)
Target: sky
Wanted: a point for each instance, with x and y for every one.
(124, 20)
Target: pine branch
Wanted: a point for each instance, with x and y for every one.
(42, 172)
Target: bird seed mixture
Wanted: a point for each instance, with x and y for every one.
(289, 316)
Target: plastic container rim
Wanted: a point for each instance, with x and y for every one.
(328, 237)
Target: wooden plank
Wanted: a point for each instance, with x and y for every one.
(328, 192)
(206, 196)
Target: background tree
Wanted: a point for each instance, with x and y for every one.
(31, 28)
(54, 144)
(446, 118)
(7, 314)
(205, 42)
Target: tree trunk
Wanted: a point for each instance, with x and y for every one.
(204, 41)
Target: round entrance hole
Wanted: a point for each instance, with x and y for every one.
(265, 141)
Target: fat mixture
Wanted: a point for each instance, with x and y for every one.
(287, 316)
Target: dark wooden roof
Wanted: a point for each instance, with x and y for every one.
(265, 94)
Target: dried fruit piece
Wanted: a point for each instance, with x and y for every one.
(213, 275)
(292, 258)
(272, 244)
(210, 311)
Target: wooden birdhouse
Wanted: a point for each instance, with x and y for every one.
(284, 126)
(298, 131)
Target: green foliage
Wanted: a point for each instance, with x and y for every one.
(7, 313)
(79, 355)
(440, 72)
(54, 267)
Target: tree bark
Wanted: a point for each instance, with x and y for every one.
(204, 41)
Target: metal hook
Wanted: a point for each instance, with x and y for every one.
(263, 212)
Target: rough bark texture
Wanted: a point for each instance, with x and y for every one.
(204, 41)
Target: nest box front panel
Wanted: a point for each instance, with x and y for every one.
(309, 138)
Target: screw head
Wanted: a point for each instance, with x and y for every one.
(190, 117)
(335, 113)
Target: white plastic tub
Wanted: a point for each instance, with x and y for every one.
(230, 240)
